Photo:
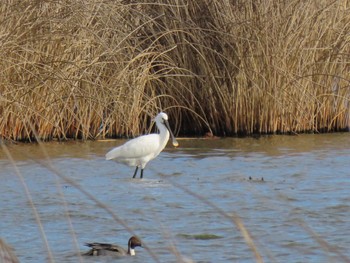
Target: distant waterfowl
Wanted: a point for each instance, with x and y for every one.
(6, 253)
(103, 249)
(139, 151)
(252, 179)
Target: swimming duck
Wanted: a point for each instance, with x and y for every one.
(103, 249)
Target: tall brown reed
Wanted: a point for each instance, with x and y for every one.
(75, 69)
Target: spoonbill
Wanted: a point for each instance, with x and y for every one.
(103, 249)
(139, 151)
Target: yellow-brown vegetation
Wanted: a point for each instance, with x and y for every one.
(88, 68)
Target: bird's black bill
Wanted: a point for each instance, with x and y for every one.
(174, 141)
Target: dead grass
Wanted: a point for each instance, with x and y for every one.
(104, 68)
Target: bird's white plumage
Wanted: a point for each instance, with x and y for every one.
(136, 152)
(139, 151)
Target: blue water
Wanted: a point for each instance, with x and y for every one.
(291, 194)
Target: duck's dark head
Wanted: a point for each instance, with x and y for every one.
(134, 241)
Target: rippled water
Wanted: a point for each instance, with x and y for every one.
(292, 194)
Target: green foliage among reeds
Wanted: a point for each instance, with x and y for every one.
(83, 69)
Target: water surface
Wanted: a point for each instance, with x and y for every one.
(290, 192)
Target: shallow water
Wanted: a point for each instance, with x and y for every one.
(295, 207)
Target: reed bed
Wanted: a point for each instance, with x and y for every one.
(90, 69)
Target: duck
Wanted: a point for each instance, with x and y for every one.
(105, 249)
(139, 151)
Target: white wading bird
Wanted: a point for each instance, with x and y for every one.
(139, 151)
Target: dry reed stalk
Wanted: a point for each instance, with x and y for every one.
(233, 218)
(46, 163)
(31, 203)
(97, 69)
(323, 243)
(87, 194)
(7, 254)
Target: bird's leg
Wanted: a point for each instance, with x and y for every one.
(135, 171)
(141, 173)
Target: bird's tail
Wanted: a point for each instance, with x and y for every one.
(108, 156)
(114, 153)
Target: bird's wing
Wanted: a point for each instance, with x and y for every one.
(136, 148)
(105, 246)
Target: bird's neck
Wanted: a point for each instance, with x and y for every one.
(163, 133)
(131, 252)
